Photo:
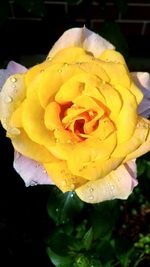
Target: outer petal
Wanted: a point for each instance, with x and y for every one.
(142, 80)
(81, 37)
(12, 68)
(118, 184)
(30, 170)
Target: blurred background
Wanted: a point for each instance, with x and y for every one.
(28, 29)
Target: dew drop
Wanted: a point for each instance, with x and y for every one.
(8, 99)
(66, 64)
(91, 189)
(49, 58)
(13, 86)
(13, 79)
(59, 71)
(57, 209)
(91, 197)
(72, 195)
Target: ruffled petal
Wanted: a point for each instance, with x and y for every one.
(81, 37)
(118, 184)
(31, 171)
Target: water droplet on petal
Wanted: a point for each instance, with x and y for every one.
(13, 79)
(91, 189)
(13, 86)
(65, 64)
(8, 99)
(91, 197)
(49, 58)
(59, 71)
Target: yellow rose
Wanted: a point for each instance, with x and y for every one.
(76, 114)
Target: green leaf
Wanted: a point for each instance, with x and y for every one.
(103, 218)
(59, 261)
(87, 239)
(63, 207)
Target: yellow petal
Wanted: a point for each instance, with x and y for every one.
(127, 118)
(95, 68)
(33, 122)
(23, 144)
(137, 92)
(145, 146)
(113, 99)
(139, 136)
(69, 55)
(112, 55)
(117, 184)
(62, 177)
(51, 116)
(88, 158)
(117, 73)
(52, 79)
(16, 118)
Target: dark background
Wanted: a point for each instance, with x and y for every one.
(28, 29)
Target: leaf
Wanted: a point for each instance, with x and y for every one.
(59, 261)
(63, 207)
(87, 239)
(103, 218)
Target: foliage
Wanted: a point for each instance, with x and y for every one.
(112, 233)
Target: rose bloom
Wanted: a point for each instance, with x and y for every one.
(75, 120)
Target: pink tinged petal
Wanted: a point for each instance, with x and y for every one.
(142, 80)
(12, 68)
(81, 37)
(118, 184)
(30, 171)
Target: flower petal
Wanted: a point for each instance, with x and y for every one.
(31, 171)
(81, 37)
(142, 80)
(12, 68)
(118, 184)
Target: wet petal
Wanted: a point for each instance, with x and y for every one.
(62, 177)
(118, 184)
(81, 37)
(31, 171)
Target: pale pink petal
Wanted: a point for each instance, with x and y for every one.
(81, 37)
(142, 80)
(30, 171)
(118, 184)
(12, 68)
